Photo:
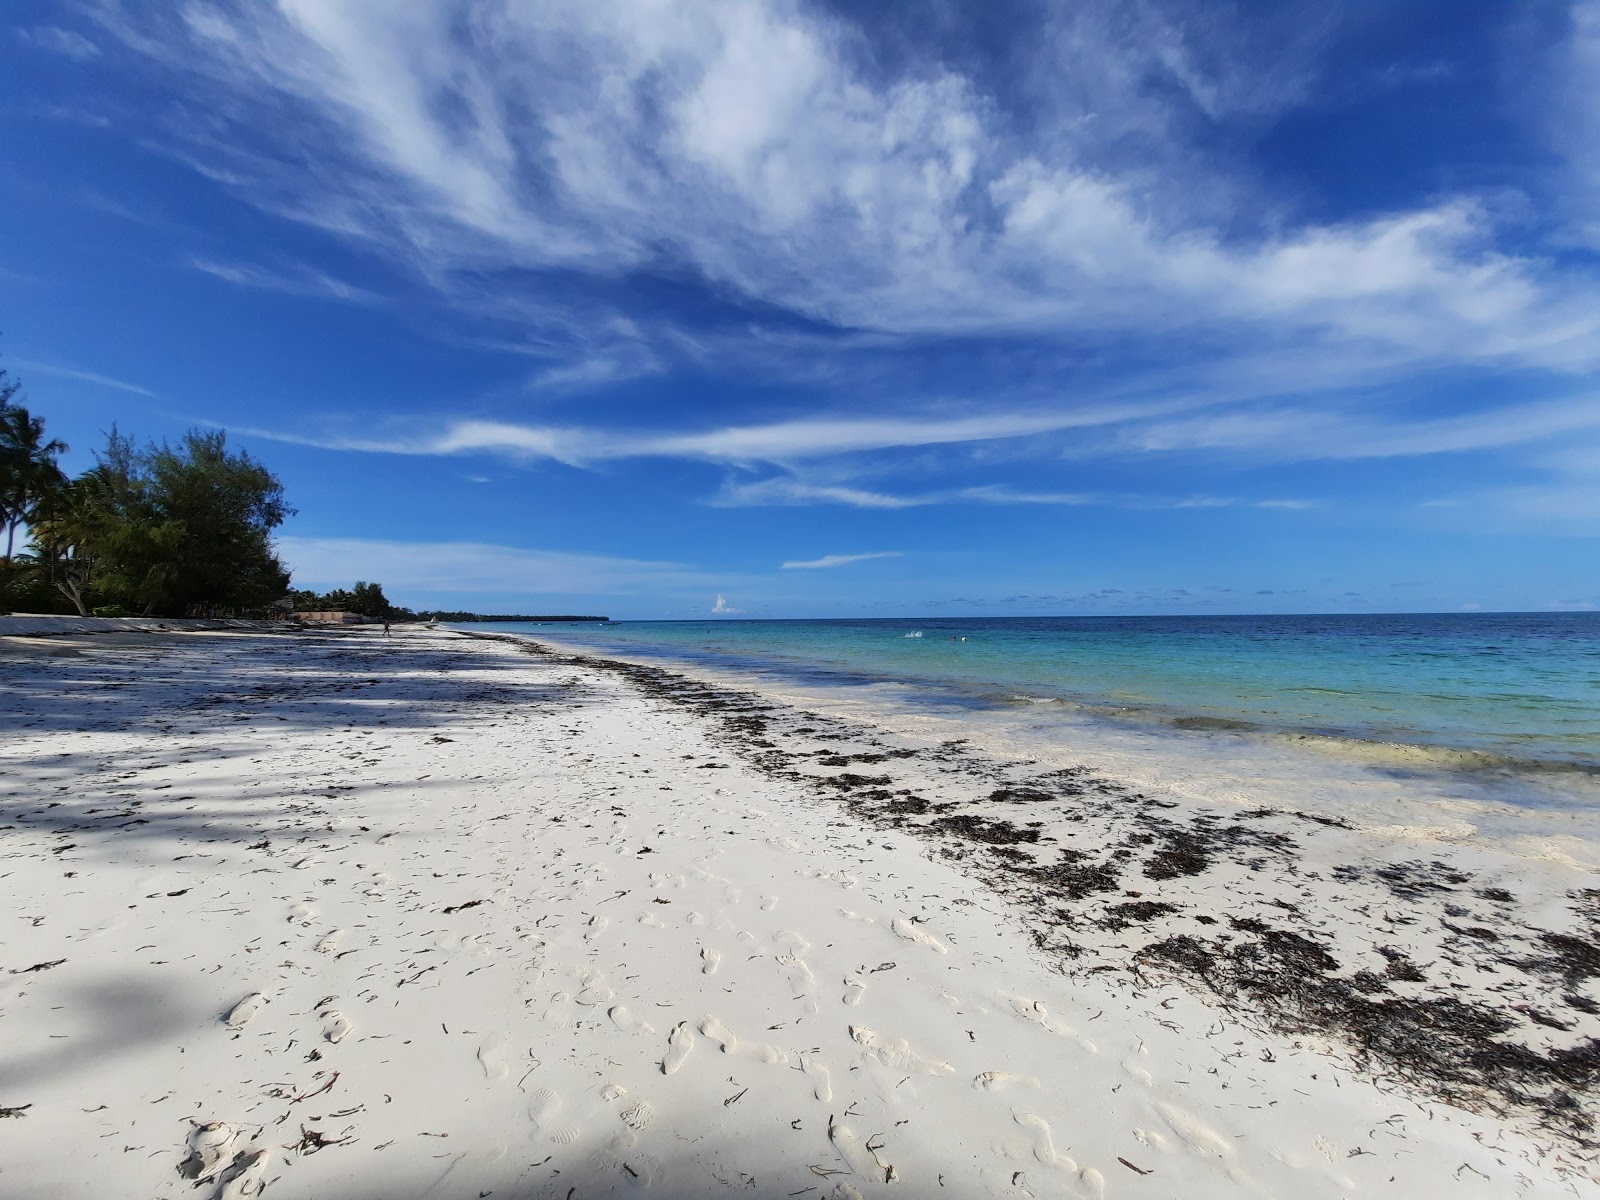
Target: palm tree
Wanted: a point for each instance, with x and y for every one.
(28, 468)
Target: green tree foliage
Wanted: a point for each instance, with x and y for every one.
(367, 599)
(28, 469)
(167, 530)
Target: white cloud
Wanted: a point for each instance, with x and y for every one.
(778, 442)
(62, 41)
(783, 490)
(723, 608)
(84, 376)
(1299, 432)
(999, 493)
(1571, 114)
(455, 567)
(840, 560)
(301, 281)
(753, 146)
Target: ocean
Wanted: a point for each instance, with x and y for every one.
(1518, 687)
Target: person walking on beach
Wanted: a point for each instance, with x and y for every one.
(385, 626)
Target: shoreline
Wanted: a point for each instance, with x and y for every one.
(1359, 1001)
(629, 929)
(1385, 789)
(1206, 688)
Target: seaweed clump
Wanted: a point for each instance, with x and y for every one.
(994, 833)
(1442, 1044)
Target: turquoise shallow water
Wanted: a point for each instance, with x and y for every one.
(1523, 687)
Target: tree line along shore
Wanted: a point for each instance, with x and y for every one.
(158, 530)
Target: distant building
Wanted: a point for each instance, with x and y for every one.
(332, 618)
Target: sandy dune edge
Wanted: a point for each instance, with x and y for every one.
(336, 916)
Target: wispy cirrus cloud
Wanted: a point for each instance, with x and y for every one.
(839, 560)
(620, 189)
(774, 442)
(65, 42)
(759, 150)
(1274, 432)
(94, 377)
(445, 567)
(299, 281)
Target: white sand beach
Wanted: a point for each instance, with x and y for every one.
(343, 916)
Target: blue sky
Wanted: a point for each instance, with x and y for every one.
(838, 310)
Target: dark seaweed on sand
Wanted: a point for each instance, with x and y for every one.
(1398, 1024)
(1439, 1044)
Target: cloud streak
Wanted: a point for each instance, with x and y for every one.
(93, 377)
(839, 560)
(301, 281)
(467, 567)
(755, 149)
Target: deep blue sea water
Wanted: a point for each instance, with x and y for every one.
(1523, 686)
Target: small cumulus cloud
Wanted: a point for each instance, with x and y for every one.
(723, 608)
(838, 560)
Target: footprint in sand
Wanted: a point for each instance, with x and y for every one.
(210, 1149)
(709, 961)
(490, 1057)
(625, 1020)
(679, 1043)
(821, 1081)
(1044, 1148)
(729, 1044)
(1199, 1136)
(1153, 1138)
(246, 1177)
(999, 1081)
(301, 914)
(621, 1154)
(239, 1015)
(768, 903)
(796, 969)
(329, 942)
(544, 1109)
(903, 928)
(1035, 1011)
(597, 926)
(861, 1157)
(854, 989)
(335, 1025)
(559, 1014)
(638, 1115)
(897, 1053)
(1135, 1069)
(695, 918)
(595, 990)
